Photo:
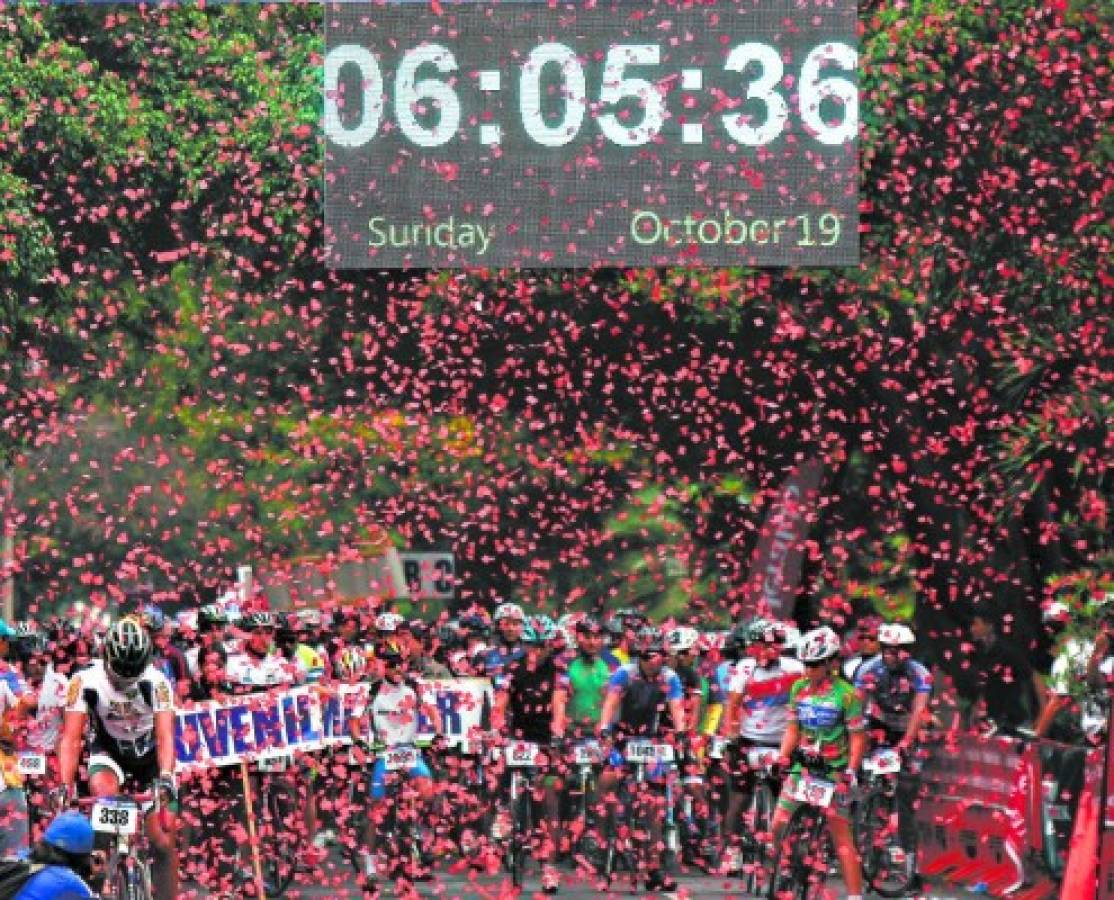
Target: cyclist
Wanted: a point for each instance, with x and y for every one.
(637, 694)
(14, 825)
(826, 724)
(258, 665)
(866, 646)
(756, 713)
(167, 658)
(130, 706)
(581, 686)
(523, 711)
(395, 710)
(61, 862)
(510, 620)
(623, 627)
(896, 689)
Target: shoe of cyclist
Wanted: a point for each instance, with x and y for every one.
(657, 882)
(551, 880)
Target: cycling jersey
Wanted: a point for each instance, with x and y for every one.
(765, 697)
(643, 699)
(45, 727)
(123, 719)
(890, 693)
(54, 883)
(247, 672)
(530, 699)
(494, 660)
(585, 680)
(310, 662)
(826, 715)
(395, 710)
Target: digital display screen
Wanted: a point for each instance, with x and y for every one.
(576, 135)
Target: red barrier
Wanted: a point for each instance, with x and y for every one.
(974, 815)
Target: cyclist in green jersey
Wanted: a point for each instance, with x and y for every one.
(578, 698)
(826, 722)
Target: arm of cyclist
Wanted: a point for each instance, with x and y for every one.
(917, 716)
(560, 705)
(165, 752)
(71, 743)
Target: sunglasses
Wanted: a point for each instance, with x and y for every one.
(867, 636)
(817, 664)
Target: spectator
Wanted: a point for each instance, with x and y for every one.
(1007, 691)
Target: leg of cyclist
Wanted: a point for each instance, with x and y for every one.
(376, 813)
(840, 828)
(162, 829)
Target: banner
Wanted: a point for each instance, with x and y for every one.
(775, 566)
(311, 717)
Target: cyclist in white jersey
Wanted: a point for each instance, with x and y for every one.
(395, 711)
(757, 709)
(130, 707)
(257, 666)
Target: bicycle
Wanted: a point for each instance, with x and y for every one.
(628, 846)
(401, 827)
(280, 811)
(758, 816)
(127, 873)
(888, 866)
(587, 756)
(522, 759)
(803, 859)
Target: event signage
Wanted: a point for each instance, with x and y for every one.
(430, 574)
(578, 134)
(310, 717)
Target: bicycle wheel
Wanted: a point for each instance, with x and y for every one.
(800, 862)
(280, 835)
(888, 866)
(759, 815)
(352, 825)
(521, 831)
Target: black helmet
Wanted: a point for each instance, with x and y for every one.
(257, 621)
(589, 625)
(650, 640)
(738, 639)
(127, 649)
(211, 616)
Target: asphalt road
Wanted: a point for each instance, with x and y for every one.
(335, 879)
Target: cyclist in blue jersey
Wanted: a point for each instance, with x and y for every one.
(896, 689)
(510, 621)
(61, 862)
(637, 695)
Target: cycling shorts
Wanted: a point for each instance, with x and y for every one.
(379, 776)
(105, 754)
(841, 802)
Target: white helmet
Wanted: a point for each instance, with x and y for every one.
(509, 611)
(791, 636)
(1056, 611)
(894, 634)
(818, 645)
(680, 639)
(351, 663)
(388, 622)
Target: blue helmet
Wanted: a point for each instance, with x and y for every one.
(70, 832)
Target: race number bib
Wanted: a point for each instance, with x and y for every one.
(641, 752)
(31, 764)
(522, 753)
(273, 764)
(400, 759)
(587, 753)
(761, 757)
(814, 791)
(883, 762)
(113, 816)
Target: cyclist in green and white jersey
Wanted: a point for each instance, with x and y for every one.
(826, 724)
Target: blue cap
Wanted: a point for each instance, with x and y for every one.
(71, 833)
(6, 631)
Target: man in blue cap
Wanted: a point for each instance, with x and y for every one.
(61, 862)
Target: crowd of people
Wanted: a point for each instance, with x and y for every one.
(100, 707)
